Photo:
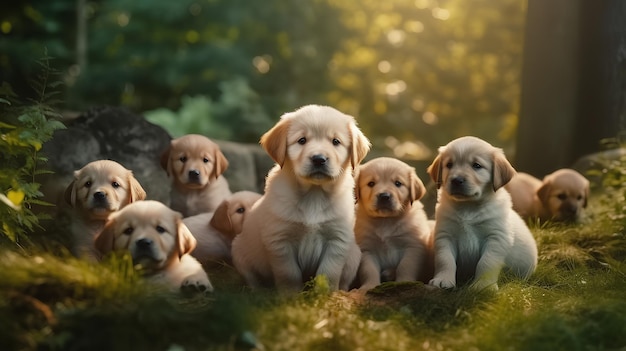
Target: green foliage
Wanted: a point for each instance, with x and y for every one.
(23, 130)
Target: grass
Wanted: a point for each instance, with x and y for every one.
(574, 301)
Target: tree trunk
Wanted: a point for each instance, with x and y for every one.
(573, 81)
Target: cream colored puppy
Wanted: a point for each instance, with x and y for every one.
(195, 164)
(477, 232)
(304, 224)
(561, 196)
(159, 242)
(216, 231)
(98, 189)
(391, 227)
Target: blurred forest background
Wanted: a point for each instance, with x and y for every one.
(415, 73)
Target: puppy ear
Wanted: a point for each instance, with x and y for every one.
(435, 171)
(416, 186)
(221, 220)
(221, 163)
(360, 145)
(70, 193)
(586, 193)
(185, 240)
(136, 191)
(105, 239)
(357, 188)
(165, 160)
(544, 191)
(274, 141)
(502, 170)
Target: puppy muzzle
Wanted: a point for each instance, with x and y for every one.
(144, 253)
(385, 202)
(318, 167)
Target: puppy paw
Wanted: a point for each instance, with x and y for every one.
(442, 283)
(194, 284)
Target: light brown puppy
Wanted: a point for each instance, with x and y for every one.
(561, 196)
(159, 242)
(98, 189)
(391, 227)
(216, 231)
(477, 232)
(195, 164)
(304, 224)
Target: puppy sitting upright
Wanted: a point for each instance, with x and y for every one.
(304, 224)
(391, 225)
(158, 241)
(561, 196)
(477, 232)
(98, 189)
(195, 164)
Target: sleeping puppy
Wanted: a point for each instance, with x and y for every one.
(477, 232)
(159, 242)
(304, 224)
(195, 164)
(98, 189)
(391, 225)
(216, 231)
(561, 196)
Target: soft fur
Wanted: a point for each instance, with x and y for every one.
(561, 196)
(98, 189)
(159, 242)
(391, 226)
(304, 224)
(477, 232)
(216, 231)
(195, 165)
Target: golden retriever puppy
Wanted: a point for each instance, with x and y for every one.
(477, 232)
(159, 242)
(216, 231)
(98, 189)
(391, 227)
(303, 226)
(195, 164)
(561, 196)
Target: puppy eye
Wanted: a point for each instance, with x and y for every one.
(88, 184)
(160, 229)
(205, 160)
(128, 231)
(561, 196)
(241, 210)
(398, 183)
(183, 159)
(580, 197)
(449, 165)
(115, 185)
(336, 142)
(371, 184)
(302, 141)
(477, 165)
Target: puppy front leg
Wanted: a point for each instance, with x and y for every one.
(410, 265)
(445, 263)
(369, 272)
(332, 262)
(286, 271)
(491, 262)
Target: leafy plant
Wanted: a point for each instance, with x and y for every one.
(25, 126)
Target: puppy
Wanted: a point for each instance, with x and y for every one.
(561, 196)
(98, 189)
(391, 225)
(303, 226)
(477, 232)
(195, 164)
(216, 231)
(159, 242)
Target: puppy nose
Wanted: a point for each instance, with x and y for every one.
(569, 209)
(319, 160)
(194, 174)
(99, 195)
(457, 181)
(384, 197)
(144, 243)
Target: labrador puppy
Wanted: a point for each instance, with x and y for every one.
(391, 227)
(477, 232)
(98, 189)
(303, 226)
(561, 196)
(195, 165)
(158, 242)
(216, 231)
